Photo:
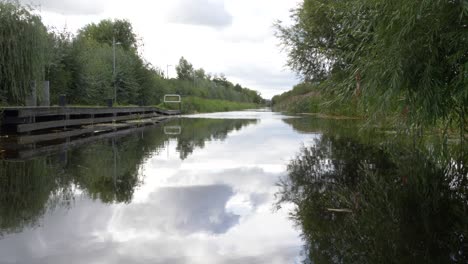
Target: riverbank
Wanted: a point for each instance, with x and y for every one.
(335, 117)
(193, 105)
(307, 99)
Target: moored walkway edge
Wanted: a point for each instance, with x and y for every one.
(19, 120)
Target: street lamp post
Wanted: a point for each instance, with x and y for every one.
(114, 43)
(167, 71)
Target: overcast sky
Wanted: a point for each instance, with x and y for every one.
(234, 37)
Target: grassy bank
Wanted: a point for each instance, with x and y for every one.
(191, 105)
(310, 100)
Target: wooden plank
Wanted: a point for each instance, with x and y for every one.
(28, 154)
(52, 111)
(169, 112)
(147, 121)
(30, 139)
(8, 120)
(76, 122)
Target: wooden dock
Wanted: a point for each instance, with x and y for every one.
(29, 119)
(12, 151)
(31, 131)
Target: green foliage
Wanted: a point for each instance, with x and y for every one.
(401, 203)
(309, 98)
(108, 170)
(95, 79)
(399, 56)
(108, 31)
(197, 131)
(200, 105)
(301, 89)
(81, 67)
(184, 70)
(27, 190)
(197, 83)
(63, 65)
(23, 49)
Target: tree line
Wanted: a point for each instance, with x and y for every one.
(400, 57)
(80, 65)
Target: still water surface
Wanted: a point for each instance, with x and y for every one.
(204, 196)
(238, 187)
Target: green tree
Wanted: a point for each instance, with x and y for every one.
(95, 79)
(199, 74)
(184, 70)
(81, 67)
(23, 51)
(107, 31)
(397, 56)
(62, 68)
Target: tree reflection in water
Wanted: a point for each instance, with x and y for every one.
(107, 170)
(378, 203)
(197, 131)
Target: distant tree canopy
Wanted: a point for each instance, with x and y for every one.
(81, 66)
(184, 70)
(198, 83)
(107, 31)
(399, 54)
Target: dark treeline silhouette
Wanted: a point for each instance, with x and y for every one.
(191, 138)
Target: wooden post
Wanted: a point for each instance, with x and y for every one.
(31, 98)
(45, 94)
(114, 121)
(358, 84)
(67, 117)
(62, 100)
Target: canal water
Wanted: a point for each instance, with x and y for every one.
(240, 187)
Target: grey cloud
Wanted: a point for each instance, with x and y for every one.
(210, 13)
(75, 225)
(69, 7)
(240, 177)
(185, 210)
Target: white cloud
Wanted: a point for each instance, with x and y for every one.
(213, 207)
(200, 12)
(69, 7)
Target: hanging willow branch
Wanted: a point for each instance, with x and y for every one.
(23, 42)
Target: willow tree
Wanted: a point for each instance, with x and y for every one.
(405, 56)
(23, 44)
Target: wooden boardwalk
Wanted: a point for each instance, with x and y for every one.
(29, 119)
(32, 131)
(12, 150)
